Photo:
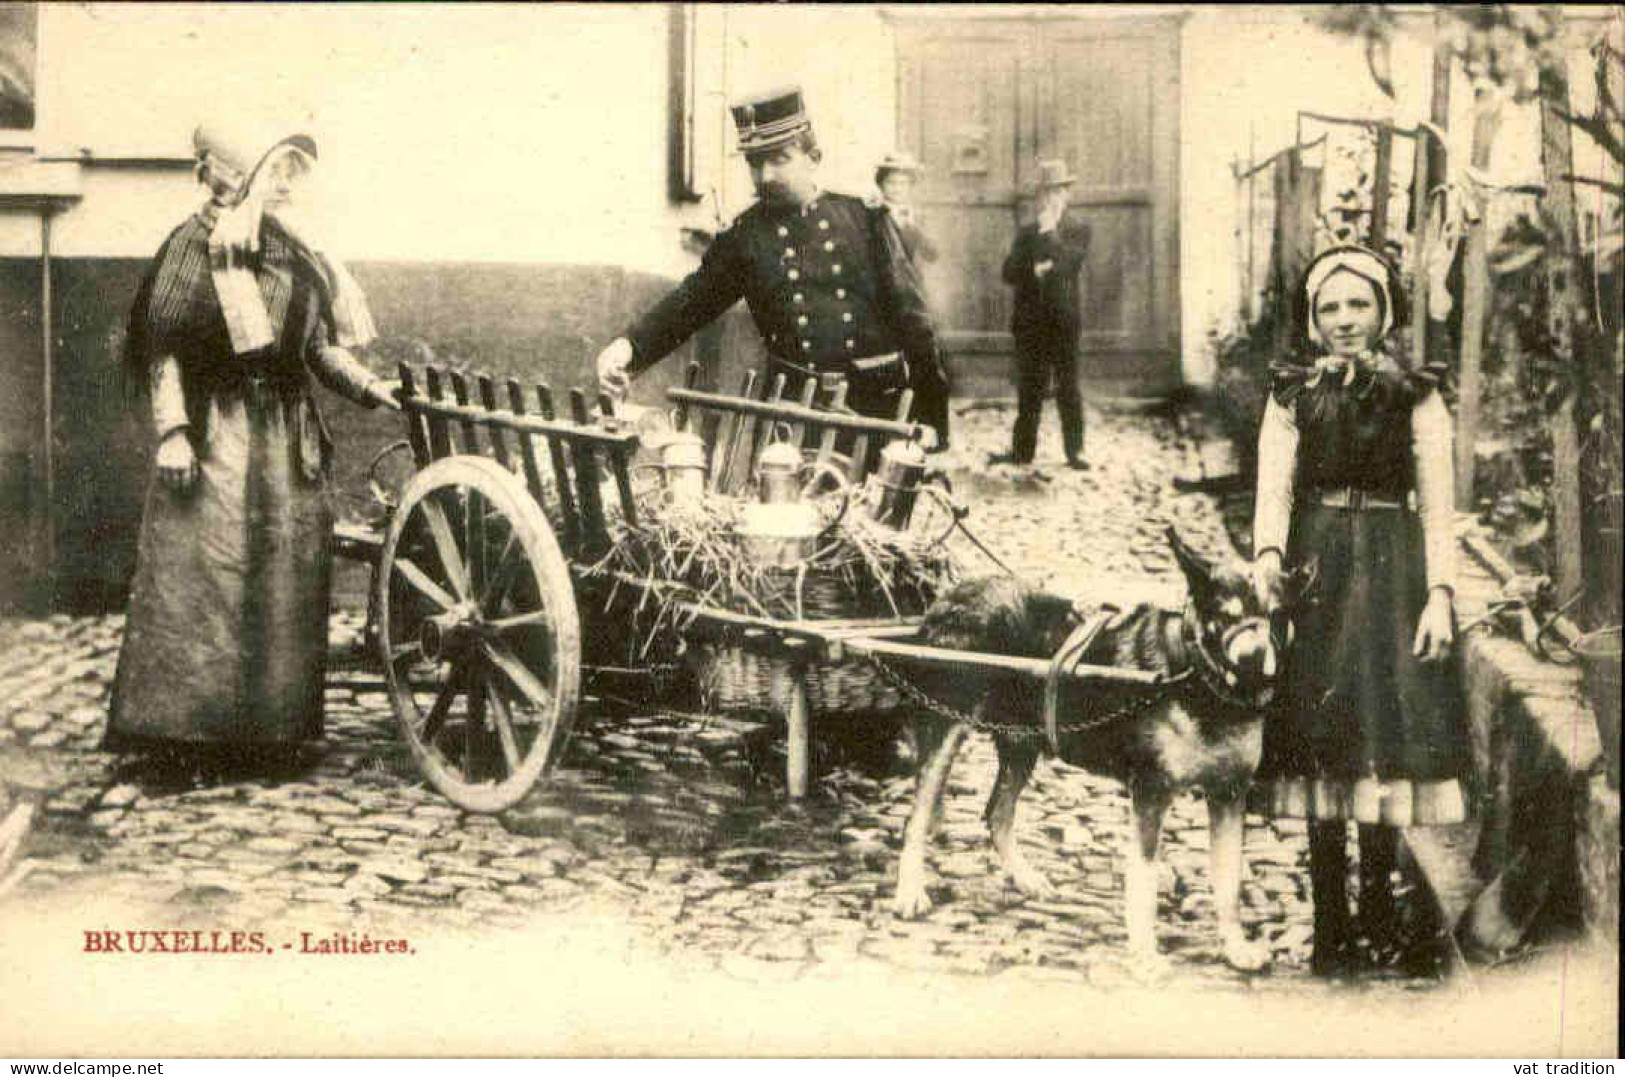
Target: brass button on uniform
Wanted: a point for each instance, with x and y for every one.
(806, 345)
(846, 317)
(799, 298)
(802, 320)
(840, 293)
(793, 275)
(829, 244)
(849, 345)
(823, 225)
(789, 252)
(836, 269)
(783, 231)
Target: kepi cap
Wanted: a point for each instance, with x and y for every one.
(766, 121)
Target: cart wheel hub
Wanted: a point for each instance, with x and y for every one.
(446, 635)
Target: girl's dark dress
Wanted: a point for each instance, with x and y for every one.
(1364, 730)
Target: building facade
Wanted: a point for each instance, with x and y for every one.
(512, 183)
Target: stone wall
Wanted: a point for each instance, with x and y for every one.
(1548, 842)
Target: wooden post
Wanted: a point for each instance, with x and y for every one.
(1562, 271)
(1382, 183)
(47, 547)
(1429, 167)
(1282, 177)
(1475, 301)
(798, 741)
(1252, 200)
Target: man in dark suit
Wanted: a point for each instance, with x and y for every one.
(1043, 268)
(828, 281)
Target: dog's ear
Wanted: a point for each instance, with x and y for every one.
(1198, 573)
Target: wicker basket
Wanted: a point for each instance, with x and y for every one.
(733, 679)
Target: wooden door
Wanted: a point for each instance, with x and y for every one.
(982, 100)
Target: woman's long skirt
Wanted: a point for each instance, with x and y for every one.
(226, 635)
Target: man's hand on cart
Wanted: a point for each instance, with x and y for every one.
(612, 362)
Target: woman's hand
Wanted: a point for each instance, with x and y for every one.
(1269, 580)
(177, 464)
(386, 393)
(1434, 629)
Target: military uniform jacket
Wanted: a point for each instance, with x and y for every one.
(1051, 302)
(825, 283)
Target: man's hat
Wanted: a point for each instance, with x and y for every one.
(769, 120)
(1054, 173)
(899, 161)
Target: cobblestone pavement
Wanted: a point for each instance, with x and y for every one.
(675, 823)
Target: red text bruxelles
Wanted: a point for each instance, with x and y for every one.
(175, 942)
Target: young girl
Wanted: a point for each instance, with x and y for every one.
(1354, 475)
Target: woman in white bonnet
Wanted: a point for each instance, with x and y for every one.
(1354, 475)
(226, 634)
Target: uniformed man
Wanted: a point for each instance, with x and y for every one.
(1043, 267)
(828, 281)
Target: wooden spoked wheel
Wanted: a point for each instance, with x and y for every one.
(478, 632)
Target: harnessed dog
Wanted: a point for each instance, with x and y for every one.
(1201, 727)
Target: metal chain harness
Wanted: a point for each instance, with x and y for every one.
(1145, 699)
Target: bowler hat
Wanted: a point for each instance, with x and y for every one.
(898, 161)
(769, 120)
(1054, 173)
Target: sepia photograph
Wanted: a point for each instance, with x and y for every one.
(917, 530)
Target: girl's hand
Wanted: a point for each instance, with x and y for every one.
(177, 464)
(1269, 580)
(1434, 630)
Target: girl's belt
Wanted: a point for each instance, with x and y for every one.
(1355, 499)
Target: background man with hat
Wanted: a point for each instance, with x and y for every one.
(1043, 268)
(828, 280)
(895, 179)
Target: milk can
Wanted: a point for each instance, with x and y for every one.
(893, 489)
(894, 486)
(783, 526)
(681, 465)
(778, 474)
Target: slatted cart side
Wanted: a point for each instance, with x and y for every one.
(737, 427)
(444, 419)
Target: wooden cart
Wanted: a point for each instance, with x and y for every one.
(473, 612)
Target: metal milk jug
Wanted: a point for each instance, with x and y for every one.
(778, 474)
(681, 466)
(894, 486)
(779, 528)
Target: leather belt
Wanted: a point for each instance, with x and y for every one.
(1355, 499)
(833, 373)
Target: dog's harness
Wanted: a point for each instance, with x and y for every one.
(1183, 634)
(1189, 657)
(1076, 646)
